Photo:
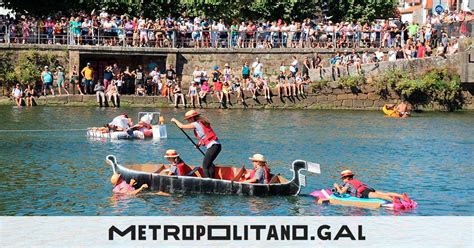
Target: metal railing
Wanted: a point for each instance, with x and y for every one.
(165, 38)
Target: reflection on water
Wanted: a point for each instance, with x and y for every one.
(64, 173)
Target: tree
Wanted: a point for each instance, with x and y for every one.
(7, 73)
(364, 10)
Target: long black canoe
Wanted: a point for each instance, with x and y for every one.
(146, 174)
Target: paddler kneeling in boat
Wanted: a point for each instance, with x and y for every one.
(206, 136)
(260, 173)
(358, 189)
(178, 167)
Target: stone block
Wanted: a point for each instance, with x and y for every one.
(361, 96)
(342, 97)
(373, 96)
(332, 98)
(337, 103)
(322, 98)
(368, 103)
(347, 103)
(351, 96)
(142, 100)
(358, 103)
(337, 91)
(57, 99)
(379, 103)
(75, 98)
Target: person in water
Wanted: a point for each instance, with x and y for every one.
(178, 167)
(206, 137)
(403, 109)
(121, 122)
(122, 187)
(358, 189)
(260, 173)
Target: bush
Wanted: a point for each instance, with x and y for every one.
(31, 64)
(7, 72)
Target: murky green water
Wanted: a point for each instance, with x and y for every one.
(429, 156)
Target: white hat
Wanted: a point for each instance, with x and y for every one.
(257, 157)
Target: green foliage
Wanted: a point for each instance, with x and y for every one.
(31, 64)
(238, 9)
(437, 85)
(351, 81)
(7, 69)
(364, 10)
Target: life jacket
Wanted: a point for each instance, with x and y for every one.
(209, 134)
(183, 169)
(267, 173)
(359, 187)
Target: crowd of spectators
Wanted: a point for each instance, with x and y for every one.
(103, 28)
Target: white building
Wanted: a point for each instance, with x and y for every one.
(418, 10)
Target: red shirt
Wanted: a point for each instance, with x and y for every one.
(421, 52)
(218, 86)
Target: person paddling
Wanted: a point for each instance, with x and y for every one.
(358, 189)
(206, 137)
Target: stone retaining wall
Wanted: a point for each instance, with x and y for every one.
(326, 98)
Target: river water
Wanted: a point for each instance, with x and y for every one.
(429, 156)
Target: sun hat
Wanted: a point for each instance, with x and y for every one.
(257, 157)
(226, 64)
(346, 173)
(114, 178)
(215, 67)
(46, 67)
(171, 154)
(190, 114)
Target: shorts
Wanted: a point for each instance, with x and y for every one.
(259, 74)
(245, 76)
(48, 85)
(87, 82)
(60, 83)
(365, 193)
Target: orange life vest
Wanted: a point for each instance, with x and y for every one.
(359, 187)
(267, 173)
(209, 134)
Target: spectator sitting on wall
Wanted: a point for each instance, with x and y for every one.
(99, 91)
(17, 94)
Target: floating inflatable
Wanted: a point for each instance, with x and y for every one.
(326, 196)
(390, 112)
(157, 131)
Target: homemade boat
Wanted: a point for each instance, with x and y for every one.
(228, 179)
(158, 130)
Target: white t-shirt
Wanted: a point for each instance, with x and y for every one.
(17, 92)
(120, 121)
(392, 55)
(257, 67)
(200, 132)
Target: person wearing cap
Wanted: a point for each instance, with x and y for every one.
(178, 167)
(88, 75)
(122, 187)
(206, 137)
(358, 189)
(260, 173)
(47, 80)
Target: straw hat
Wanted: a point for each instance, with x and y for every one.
(258, 157)
(346, 173)
(115, 178)
(171, 153)
(190, 114)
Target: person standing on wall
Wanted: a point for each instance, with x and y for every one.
(88, 75)
(206, 136)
